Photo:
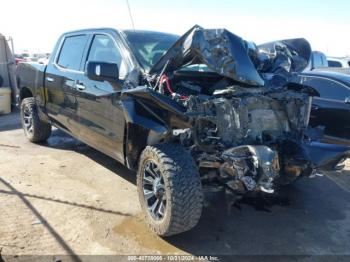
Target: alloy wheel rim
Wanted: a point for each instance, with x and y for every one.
(154, 190)
(28, 120)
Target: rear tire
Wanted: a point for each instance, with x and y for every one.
(35, 130)
(180, 206)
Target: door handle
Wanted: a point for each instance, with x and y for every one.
(80, 87)
(314, 107)
(50, 79)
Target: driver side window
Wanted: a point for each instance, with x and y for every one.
(103, 49)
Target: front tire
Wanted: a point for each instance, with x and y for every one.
(170, 190)
(35, 130)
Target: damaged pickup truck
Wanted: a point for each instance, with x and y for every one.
(207, 109)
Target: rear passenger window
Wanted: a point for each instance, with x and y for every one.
(72, 52)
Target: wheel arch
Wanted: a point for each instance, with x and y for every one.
(25, 92)
(149, 118)
(136, 139)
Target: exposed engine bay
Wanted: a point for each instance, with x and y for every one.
(230, 103)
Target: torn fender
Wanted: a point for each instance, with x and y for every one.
(152, 110)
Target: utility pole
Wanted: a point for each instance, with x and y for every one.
(132, 20)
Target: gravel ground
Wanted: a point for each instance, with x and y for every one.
(64, 197)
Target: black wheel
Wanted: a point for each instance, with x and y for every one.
(169, 188)
(35, 129)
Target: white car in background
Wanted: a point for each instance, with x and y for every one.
(43, 60)
(338, 62)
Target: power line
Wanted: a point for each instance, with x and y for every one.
(132, 20)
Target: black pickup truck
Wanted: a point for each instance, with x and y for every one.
(207, 109)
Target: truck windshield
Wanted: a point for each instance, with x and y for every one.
(149, 46)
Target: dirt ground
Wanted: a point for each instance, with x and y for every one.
(64, 197)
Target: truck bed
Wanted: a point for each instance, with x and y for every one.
(26, 71)
(31, 75)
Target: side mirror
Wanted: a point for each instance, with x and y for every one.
(347, 100)
(102, 71)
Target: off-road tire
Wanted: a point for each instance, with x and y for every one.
(41, 131)
(183, 189)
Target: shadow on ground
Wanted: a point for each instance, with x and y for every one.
(60, 240)
(10, 122)
(310, 217)
(62, 141)
(57, 200)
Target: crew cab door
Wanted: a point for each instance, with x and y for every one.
(99, 110)
(60, 81)
(331, 109)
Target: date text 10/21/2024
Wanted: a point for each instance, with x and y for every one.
(173, 258)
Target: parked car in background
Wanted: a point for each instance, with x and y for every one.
(25, 56)
(18, 59)
(7, 68)
(332, 108)
(44, 60)
(338, 62)
(318, 60)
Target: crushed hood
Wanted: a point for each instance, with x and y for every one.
(230, 56)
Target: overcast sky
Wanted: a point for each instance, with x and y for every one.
(35, 25)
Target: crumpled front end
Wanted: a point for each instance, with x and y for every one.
(230, 56)
(251, 140)
(250, 168)
(245, 125)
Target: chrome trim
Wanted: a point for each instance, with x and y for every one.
(80, 87)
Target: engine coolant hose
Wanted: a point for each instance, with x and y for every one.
(165, 79)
